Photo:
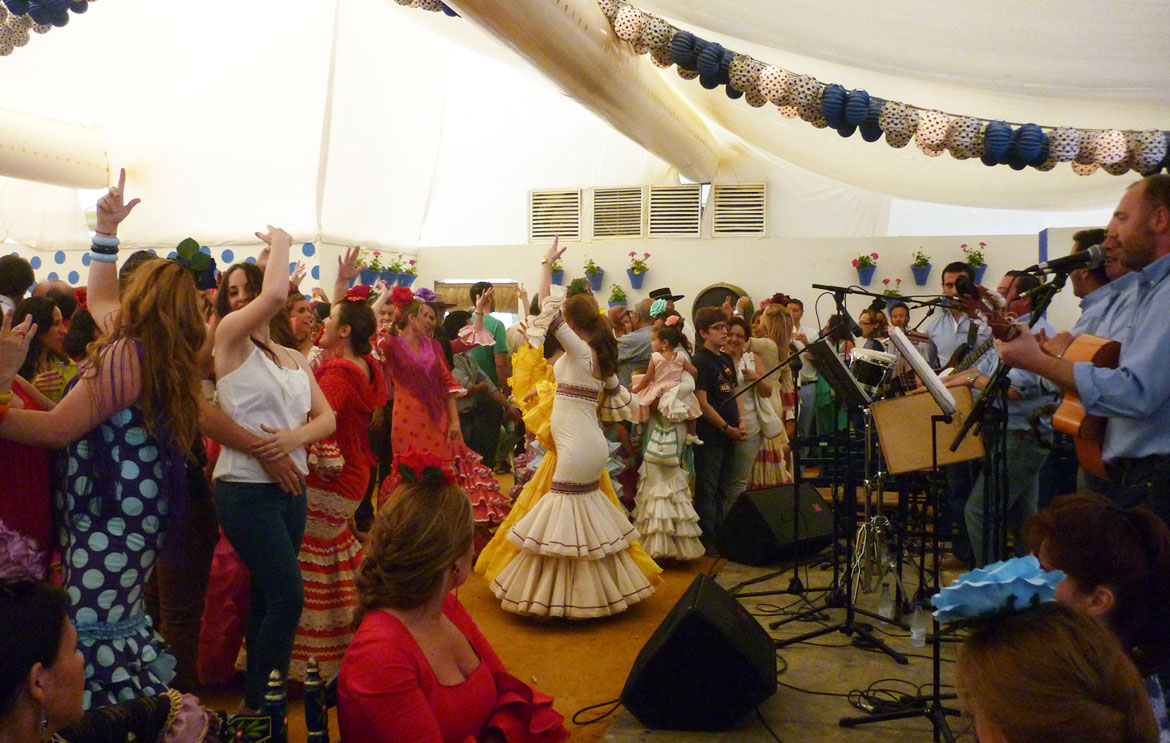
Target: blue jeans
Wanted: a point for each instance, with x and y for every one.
(265, 526)
(712, 476)
(1025, 456)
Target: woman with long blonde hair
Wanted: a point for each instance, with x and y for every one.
(772, 341)
(125, 426)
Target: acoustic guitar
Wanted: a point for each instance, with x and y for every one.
(1088, 431)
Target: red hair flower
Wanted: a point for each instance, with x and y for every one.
(401, 296)
(359, 293)
(415, 465)
(81, 296)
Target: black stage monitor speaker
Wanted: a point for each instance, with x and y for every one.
(758, 528)
(706, 667)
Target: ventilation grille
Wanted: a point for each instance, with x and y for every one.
(554, 214)
(739, 210)
(675, 211)
(617, 212)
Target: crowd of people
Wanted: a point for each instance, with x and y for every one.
(189, 462)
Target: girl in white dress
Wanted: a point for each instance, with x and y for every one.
(663, 513)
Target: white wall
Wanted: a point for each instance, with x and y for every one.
(760, 267)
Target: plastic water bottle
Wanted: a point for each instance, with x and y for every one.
(886, 603)
(918, 628)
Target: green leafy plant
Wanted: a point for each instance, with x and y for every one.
(591, 268)
(974, 256)
(617, 294)
(639, 265)
(921, 259)
(393, 265)
(891, 291)
(374, 262)
(410, 268)
(865, 260)
(557, 265)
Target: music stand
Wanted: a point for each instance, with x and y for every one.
(929, 706)
(851, 396)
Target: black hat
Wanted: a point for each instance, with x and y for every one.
(664, 293)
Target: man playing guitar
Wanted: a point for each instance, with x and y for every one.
(1135, 396)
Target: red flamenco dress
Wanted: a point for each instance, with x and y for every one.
(422, 382)
(387, 691)
(26, 506)
(339, 473)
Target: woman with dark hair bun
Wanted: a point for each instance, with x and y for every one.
(339, 473)
(1118, 567)
(573, 553)
(418, 668)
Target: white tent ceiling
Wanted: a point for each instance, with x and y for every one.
(362, 121)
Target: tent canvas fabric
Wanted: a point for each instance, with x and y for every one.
(361, 121)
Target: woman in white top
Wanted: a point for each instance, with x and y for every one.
(269, 390)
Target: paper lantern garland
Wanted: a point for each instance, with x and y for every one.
(822, 105)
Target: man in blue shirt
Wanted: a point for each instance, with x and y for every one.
(1087, 285)
(948, 331)
(1029, 431)
(1134, 397)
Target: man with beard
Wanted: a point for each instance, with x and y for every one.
(1135, 397)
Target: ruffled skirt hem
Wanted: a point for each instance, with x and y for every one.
(538, 585)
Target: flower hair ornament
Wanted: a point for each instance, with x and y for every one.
(81, 296)
(781, 299)
(657, 307)
(401, 296)
(671, 320)
(1000, 588)
(359, 293)
(200, 265)
(426, 295)
(415, 465)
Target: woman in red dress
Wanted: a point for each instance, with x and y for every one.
(339, 472)
(418, 668)
(26, 502)
(425, 416)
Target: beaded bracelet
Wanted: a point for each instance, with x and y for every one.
(105, 241)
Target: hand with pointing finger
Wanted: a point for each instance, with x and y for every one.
(113, 208)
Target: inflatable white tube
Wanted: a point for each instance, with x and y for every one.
(572, 42)
(34, 148)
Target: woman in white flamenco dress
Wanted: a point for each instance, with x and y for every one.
(573, 552)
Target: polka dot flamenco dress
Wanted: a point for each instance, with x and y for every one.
(112, 492)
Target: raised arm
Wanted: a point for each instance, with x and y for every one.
(554, 252)
(232, 335)
(114, 386)
(347, 268)
(103, 299)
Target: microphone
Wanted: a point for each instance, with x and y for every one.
(1090, 257)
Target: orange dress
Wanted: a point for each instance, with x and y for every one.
(422, 382)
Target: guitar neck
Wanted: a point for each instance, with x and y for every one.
(976, 353)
